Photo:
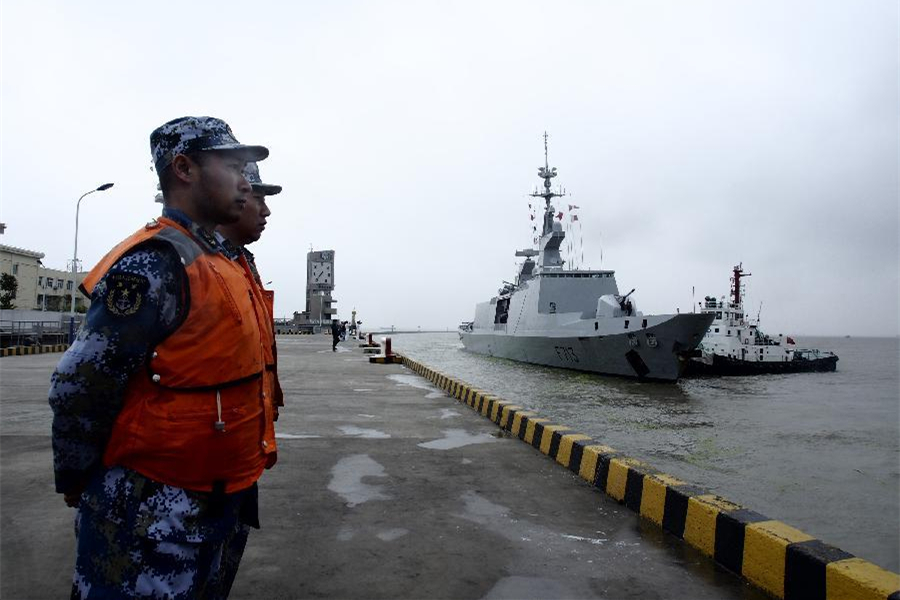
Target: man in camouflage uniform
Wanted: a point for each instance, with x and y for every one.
(235, 237)
(137, 537)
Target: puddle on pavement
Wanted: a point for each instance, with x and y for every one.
(347, 480)
(447, 413)
(411, 380)
(338, 350)
(295, 436)
(457, 438)
(362, 432)
(391, 534)
(531, 588)
(595, 541)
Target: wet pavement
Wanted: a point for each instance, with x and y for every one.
(384, 488)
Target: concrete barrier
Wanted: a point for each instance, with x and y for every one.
(27, 350)
(771, 555)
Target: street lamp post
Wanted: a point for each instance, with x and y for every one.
(101, 188)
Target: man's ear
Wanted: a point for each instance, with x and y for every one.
(184, 169)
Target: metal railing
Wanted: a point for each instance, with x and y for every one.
(33, 333)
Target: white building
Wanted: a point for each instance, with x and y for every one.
(40, 288)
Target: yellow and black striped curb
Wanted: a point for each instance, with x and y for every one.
(381, 359)
(23, 350)
(771, 555)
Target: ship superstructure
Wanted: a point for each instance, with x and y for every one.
(576, 318)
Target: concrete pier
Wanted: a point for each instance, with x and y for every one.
(384, 488)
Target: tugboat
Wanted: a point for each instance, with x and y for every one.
(734, 345)
(576, 318)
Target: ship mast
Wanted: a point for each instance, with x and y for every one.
(736, 283)
(546, 173)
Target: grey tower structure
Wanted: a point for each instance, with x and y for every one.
(319, 287)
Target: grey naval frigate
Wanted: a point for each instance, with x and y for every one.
(576, 318)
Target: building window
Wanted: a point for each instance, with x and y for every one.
(717, 330)
(626, 323)
(15, 269)
(69, 285)
(40, 281)
(59, 284)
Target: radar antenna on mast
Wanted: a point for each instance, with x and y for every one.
(546, 173)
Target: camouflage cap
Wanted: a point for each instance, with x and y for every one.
(251, 174)
(185, 135)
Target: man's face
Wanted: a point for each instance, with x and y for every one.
(222, 190)
(250, 226)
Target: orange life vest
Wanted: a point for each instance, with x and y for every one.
(201, 414)
(271, 358)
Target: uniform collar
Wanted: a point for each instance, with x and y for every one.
(201, 234)
(234, 252)
(231, 250)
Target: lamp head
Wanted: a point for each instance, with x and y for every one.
(104, 187)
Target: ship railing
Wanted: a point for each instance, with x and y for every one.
(811, 354)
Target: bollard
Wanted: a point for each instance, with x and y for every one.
(387, 346)
(370, 339)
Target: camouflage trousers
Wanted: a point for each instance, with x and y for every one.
(137, 538)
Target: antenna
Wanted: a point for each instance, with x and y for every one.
(546, 173)
(546, 161)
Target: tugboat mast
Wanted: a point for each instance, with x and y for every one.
(546, 173)
(736, 283)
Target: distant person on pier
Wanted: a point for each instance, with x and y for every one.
(335, 334)
(162, 424)
(235, 237)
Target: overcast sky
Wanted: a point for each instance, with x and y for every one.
(693, 136)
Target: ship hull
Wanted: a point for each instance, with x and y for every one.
(658, 353)
(725, 366)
